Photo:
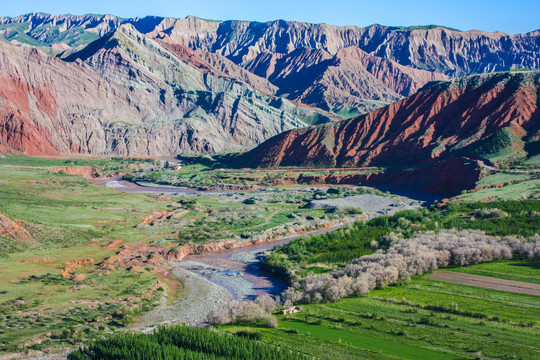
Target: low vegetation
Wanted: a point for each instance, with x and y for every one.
(419, 319)
(421, 253)
(56, 287)
(250, 312)
(322, 253)
(204, 173)
(182, 343)
(106, 165)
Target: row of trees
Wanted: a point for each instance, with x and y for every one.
(294, 260)
(181, 343)
(414, 256)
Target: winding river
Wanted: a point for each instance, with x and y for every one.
(210, 279)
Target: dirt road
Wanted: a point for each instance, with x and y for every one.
(486, 282)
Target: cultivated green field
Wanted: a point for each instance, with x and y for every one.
(425, 319)
(527, 271)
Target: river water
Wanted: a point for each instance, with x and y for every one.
(213, 278)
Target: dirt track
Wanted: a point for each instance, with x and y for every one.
(486, 282)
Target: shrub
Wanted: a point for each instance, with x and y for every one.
(415, 256)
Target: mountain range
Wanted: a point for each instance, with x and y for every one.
(103, 85)
(438, 140)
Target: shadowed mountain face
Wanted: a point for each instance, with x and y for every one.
(461, 117)
(125, 94)
(349, 81)
(436, 141)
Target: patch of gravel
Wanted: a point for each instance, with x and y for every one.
(59, 356)
(231, 280)
(373, 205)
(199, 297)
(248, 257)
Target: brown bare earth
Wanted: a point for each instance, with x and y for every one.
(486, 282)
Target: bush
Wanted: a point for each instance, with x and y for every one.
(415, 256)
(248, 312)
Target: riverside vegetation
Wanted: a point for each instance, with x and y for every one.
(390, 311)
(409, 321)
(406, 315)
(57, 229)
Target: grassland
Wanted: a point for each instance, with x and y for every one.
(68, 219)
(53, 290)
(245, 215)
(518, 177)
(205, 173)
(425, 319)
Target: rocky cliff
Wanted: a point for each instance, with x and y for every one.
(345, 70)
(125, 94)
(349, 82)
(433, 48)
(192, 85)
(474, 116)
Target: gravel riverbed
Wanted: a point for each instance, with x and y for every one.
(231, 280)
(198, 298)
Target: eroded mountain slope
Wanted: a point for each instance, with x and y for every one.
(446, 119)
(125, 94)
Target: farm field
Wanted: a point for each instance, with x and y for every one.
(426, 319)
(507, 269)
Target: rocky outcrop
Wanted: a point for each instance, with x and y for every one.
(347, 69)
(349, 82)
(125, 94)
(443, 120)
(69, 30)
(448, 178)
(83, 171)
(163, 86)
(13, 230)
(433, 48)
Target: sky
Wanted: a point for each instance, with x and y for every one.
(515, 16)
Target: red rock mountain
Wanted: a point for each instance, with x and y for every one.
(343, 70)
(347, 82)
(160, 86)
(470, 116)
(125, 94)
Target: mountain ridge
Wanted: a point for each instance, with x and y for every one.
(436, 123)
(131, 96)
(216, 86)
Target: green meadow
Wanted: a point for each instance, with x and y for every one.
(425, 319)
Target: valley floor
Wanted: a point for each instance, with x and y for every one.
(80, 259)
(62, 280)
